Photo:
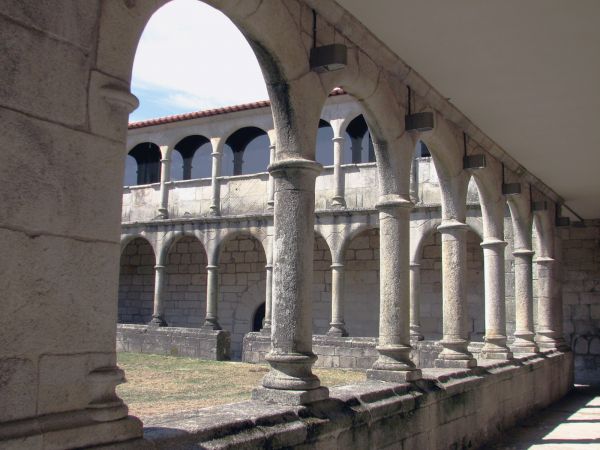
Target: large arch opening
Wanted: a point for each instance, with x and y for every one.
(136, 282)
(191, 158)
(245, 152)
(147, 159)
(358, 145)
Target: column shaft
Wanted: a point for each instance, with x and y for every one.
(337, 301)
(271, 185)
(165, 176)
(524, 335)
(159, 292)
(338, 175)
(394, 363)
(455, 339)
(495, 301)
(212, 295)
(290, 379)
(215, 205)
(415, 305)
(268, 299)
(549, 332)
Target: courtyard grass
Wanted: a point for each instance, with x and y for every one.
(159, 385)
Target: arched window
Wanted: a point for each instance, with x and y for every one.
(359, 146)
(324, 151)
(147, 155)
(246, 151)
(194, 161)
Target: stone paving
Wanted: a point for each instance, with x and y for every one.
(571, 423)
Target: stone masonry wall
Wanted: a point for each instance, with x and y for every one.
(185, 293)
(242, 279)
(136, 282)
(581, 297)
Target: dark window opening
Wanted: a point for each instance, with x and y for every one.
(324, 150)
(147, 155)
(246, 151)
(360, 149)
(259, 317)
(189, 166)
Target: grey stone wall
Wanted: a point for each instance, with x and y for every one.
(185, 290)
(194, 343)
(136, 282)
(581, 298)
(448, 409)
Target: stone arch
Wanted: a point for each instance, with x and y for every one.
(189, 153)
(127, 238)
(171, 237)
(147, 156)
(242, 284)
(136, 281)
(361, 281)
(234, 157)
(426, 228)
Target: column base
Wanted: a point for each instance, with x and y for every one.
(162, 214)
(455, 363)
(211, 324)
(270, 205)
(455, 355)
(286, 397)
(337, 330)
(158, 321)
(266, 330)
(415, 333)
(498, 355)
(394, 376)
(338, 203)
(214, 211)
(495, 348)
(525, 350)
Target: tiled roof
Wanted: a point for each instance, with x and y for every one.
(211, 112)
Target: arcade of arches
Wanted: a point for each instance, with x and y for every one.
(397, 258)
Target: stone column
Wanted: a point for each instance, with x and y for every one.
(290, 379)
(337, 301)
(271, 185)
(524, 335)
(455, 339)
(415, 305)
(165, 177)
(549, 332)
(212, 293)
(159, 293)
(266, 328)
(338, 200)
(495, 301)
(394, 363)
(215, 205)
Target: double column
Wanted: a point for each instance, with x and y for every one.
(415, 302)
(524, 335)
(338, 326)
(549, 332)
(165, 177)
(290, 379)
(266, 326)
(211, 322)
(455, 339)
(394, 363)
(338, 200)
(495, 309)
(215, 204)
(159, 294)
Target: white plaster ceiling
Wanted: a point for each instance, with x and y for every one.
(527, 72)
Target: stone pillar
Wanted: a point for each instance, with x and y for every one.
(415, 305)
(524, 335)
(338, 200)
(212, 293)
(271, 185)
(165, 177)
(290, 379)
(495, 301)
(215, 205)
(159, 293)
(394, 363)
(337, 301)
(549, 332)
(455, 339)
(266, 328)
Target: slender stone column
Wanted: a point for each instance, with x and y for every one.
(159, 292)
(271, 185)
(338, 200)
(524, 335)
(549, 332)
(165, 177)
(215, 205)
(394, 363)
(290, 379)
(415, 302)
(212, 292)
(266, 328)
(495, 301)
(337, 301)
(455, 340)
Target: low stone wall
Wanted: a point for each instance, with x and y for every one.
(191, 342)
(345, 352)
(449, 408)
